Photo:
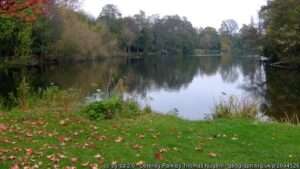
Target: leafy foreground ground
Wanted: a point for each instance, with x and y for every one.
(49, 141)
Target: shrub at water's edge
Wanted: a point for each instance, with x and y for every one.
(112, 107)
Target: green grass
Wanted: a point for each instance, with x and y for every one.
(71, 140)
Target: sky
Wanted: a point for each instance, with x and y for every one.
(201, 13)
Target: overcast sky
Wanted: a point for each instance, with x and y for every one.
(199, 12)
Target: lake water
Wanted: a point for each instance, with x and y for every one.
(185, 85)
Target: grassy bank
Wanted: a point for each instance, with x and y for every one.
(60, 140)
(53, 129)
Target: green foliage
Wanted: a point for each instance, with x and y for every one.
(15, 38)
(209, 39)
(282, 28)
(140, 34)
(111, 108)
(250, 39)
(24, 42)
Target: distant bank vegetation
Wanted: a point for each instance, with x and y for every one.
(67, 34)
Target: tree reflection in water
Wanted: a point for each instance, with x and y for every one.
(195, 78)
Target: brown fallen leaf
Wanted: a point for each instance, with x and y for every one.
(141, 136)
(158, 156)
(137, 146)
(94, 166)
(101, 138)
(70, 167)
(118, 139)
(3, 127)
(74, 160)
(198, 148)
(12, 157)
(29, 134)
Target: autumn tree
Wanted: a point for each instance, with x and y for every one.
(27, 10)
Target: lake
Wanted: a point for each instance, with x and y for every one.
(188, 86)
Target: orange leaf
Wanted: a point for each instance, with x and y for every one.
(29, 151)
(15, 166)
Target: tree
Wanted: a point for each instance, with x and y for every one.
(209, 39)
(110, 12)
(110, 16)
(281, 29)
(249, 39)
(229, 27)
(27, 10)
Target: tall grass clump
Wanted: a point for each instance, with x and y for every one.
(23, 94)
(49, 99)
(234, 107)
(55, 99)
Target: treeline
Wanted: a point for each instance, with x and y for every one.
(67, 34)
(147, 34)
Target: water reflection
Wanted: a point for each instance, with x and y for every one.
(189, 86)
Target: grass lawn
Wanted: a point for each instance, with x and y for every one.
(53, 140)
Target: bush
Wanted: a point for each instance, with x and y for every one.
(111, 108)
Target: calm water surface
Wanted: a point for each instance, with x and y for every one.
(188, 86)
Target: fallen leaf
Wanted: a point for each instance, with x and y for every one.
(137, 146)
(12, 157)
(70, 167)
(62, 122)
(3, 127)
(175, 148)
(118, 139)
(85, 164)
(158, 156)
(94, 166)
(234, 138)
(97, 156)
(29, 151)
(163, 150)
(29, 134)
(212, 154)
(198, 148)
(74, 160)
(140, 163)
(15, 166)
